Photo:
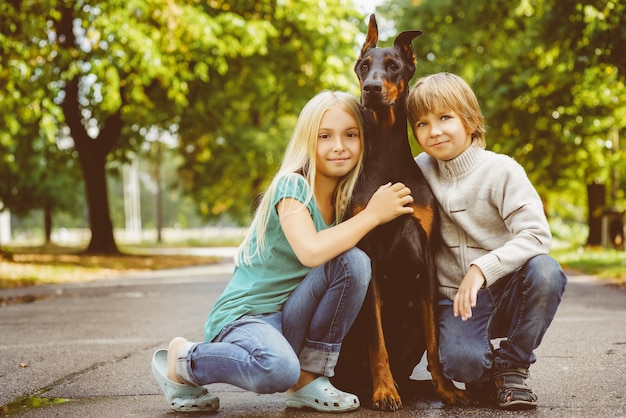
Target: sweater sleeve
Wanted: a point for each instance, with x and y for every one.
(521, 210)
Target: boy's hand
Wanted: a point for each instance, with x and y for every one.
(465, 298)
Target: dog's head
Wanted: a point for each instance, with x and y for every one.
(384, 73)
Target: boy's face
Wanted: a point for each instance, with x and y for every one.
(442, 135)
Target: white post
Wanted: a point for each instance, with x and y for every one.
(132, 205)
(5, 227)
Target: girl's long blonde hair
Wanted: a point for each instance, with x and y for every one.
(443, 91)
(300, 158)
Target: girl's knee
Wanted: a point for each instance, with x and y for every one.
(279, 375)
(358, 263)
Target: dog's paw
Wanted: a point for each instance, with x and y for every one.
(451, 395)
(386, 400)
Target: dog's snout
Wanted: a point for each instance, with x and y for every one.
(372, 87)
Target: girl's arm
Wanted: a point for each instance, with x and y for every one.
(314, 248)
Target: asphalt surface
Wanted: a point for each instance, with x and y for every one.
(85, 350)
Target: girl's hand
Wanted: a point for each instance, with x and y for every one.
(465, 298)
(388, 202)
(313, 248)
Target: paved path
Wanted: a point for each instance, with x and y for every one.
(85, 350)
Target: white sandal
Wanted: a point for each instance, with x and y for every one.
(181, 397)
(322, 396)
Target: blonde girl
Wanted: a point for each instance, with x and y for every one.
(299, 281)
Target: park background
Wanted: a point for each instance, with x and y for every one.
(128, 125)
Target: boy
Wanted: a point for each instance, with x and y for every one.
(494, 273)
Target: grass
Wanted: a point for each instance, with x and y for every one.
(35, 265)
(604, 263)
(51, 264)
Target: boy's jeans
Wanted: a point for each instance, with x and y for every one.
(519, 307)
(258, 352)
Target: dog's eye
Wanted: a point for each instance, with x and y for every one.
(365, 67)
(393, 66)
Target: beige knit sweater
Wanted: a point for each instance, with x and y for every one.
(491, 216)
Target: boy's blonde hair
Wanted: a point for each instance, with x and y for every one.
(445, 91)
(300, 158)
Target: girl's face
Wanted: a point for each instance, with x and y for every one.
(442, 135)
(338, 144)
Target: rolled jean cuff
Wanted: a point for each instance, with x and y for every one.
(319, 358)
(183, 360)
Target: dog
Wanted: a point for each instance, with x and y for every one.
(398, 317)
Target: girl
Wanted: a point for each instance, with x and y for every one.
(495, 277)
(299, 280)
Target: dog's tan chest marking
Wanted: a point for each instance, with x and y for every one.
(425, 216)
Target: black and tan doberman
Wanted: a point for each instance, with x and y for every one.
(397, 321)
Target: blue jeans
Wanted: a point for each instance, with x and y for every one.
(265, 353)
(519, 307)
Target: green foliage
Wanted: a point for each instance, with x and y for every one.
(32, 168)
(238, 122)
(227, 77)
(549, 75)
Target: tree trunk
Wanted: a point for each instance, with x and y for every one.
(94, 170)
(92, 153)
(596, 200)
(47, 223)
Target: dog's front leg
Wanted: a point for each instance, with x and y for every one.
(385, 392)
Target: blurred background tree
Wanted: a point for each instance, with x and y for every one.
(233, 137)
(102, 74)
(550, 78)
(82, 84)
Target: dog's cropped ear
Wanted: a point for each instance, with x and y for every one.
(371, 40)
(403, 42)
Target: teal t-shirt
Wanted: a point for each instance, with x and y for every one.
(265, 284)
